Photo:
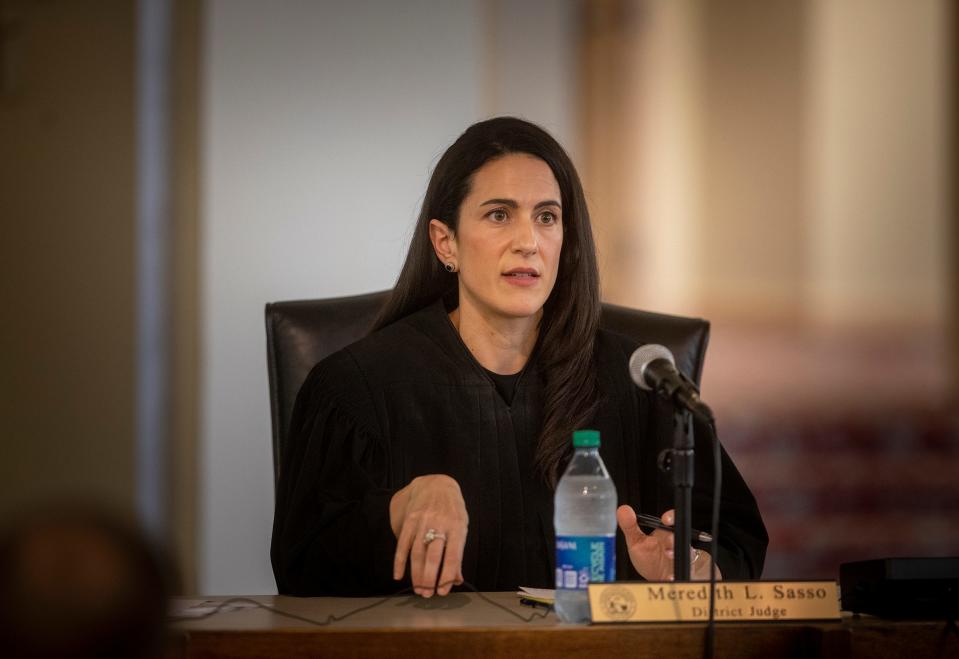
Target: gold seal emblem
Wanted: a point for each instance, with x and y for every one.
(617, 602)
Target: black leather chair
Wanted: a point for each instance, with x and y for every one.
(300, 333)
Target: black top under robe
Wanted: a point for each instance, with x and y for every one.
(505, 384)
(411, 400)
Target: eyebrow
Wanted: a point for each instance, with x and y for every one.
(512, 204)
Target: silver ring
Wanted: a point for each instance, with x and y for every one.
(433, 534)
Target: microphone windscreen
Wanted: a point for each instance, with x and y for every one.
(642, 357)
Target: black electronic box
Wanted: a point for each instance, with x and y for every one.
(901, 588)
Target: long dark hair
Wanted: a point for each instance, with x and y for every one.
(571, 313)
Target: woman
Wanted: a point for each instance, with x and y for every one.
(434, 443)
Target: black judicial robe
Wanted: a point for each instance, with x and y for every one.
(411, 400)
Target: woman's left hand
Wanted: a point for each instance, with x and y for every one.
(652, 554)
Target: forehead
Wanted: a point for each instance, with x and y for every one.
(515, 176)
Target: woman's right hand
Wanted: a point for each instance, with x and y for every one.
(430, 502)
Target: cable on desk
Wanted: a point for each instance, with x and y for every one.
(337, 618)
(320, 623)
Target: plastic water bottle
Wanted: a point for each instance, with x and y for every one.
(585, 522)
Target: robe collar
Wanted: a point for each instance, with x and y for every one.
(434, 321)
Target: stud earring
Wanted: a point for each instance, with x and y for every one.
(450, 267)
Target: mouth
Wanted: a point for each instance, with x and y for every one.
(522, 273)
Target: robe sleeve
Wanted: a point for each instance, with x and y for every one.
(742, 534)
(331, 528)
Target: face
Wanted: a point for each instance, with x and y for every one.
(508, 242)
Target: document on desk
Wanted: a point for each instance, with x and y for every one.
(541, 595)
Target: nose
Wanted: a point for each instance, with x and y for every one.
(524, 237)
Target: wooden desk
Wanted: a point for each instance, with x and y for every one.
(463, 625)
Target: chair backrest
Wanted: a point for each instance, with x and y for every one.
(299, 333)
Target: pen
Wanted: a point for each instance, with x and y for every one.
(656, 523)
(525, 601)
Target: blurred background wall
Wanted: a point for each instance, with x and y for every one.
(68, 273)
(782, 167)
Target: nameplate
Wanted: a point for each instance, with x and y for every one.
(735, 601)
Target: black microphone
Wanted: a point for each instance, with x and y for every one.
(653, 368)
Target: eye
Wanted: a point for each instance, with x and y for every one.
(548, 217)
(498, 215)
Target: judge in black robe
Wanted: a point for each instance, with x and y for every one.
(411, 400)
(403, 446)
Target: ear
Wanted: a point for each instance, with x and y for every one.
(444, 242)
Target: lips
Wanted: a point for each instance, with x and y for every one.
(522, 273)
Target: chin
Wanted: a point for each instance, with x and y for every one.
(508, 304)
(522, 309)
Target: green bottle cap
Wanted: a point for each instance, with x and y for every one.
(585, 438)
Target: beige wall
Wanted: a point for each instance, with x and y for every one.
(771, 160)
(780, 167)
(66, 257)
(607, 101)
(878, 129)
(751, 224)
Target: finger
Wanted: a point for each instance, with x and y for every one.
(417, 558)
(702, 567)
(403, 544)
(668, 540)
(626, 518)
(452, 563)
(433, 557)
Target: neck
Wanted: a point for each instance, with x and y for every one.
(502, 345)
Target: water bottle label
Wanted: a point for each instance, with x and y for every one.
(581, 559)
